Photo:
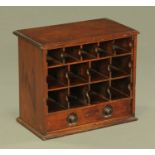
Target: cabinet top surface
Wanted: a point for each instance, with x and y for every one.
(77, 33)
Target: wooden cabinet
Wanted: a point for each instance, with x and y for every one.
(76, 77)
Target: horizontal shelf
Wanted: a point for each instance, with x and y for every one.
(88, 73)
(89, 60)
(87, 83)
(91, 105)
(54, 83)
(88, 95)
(121, 77)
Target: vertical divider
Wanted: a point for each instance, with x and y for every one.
(89, 82)
(96, 49)
(80, 52)
(68, 86)
(110, 73)
(45, 64)
(129, 85)
(110, 78)
(63, 55)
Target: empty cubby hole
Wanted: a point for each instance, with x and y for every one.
(79, 96)
(121, 66)
(72, 54)
(57, 77)
(57, 100)
(105, 48)
(123, 45)
(99, 70)
(78, 73)
(99, 92)
(54, 57)
(120, 88)
(89, 51)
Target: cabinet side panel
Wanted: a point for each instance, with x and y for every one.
(134, 73)
(31, 85)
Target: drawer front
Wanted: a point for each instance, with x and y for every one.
(89, 114)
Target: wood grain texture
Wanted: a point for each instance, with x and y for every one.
(134, 73)
(31, 85)
(38, 94)
(71, 34)
(88, 114)
(78, 129)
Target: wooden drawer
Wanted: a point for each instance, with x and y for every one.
(88, 114)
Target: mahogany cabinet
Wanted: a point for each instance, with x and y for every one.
(76, 77)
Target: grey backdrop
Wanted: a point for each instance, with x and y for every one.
(140, 134)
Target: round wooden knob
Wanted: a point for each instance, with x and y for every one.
(72, 119)
(107, 111)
